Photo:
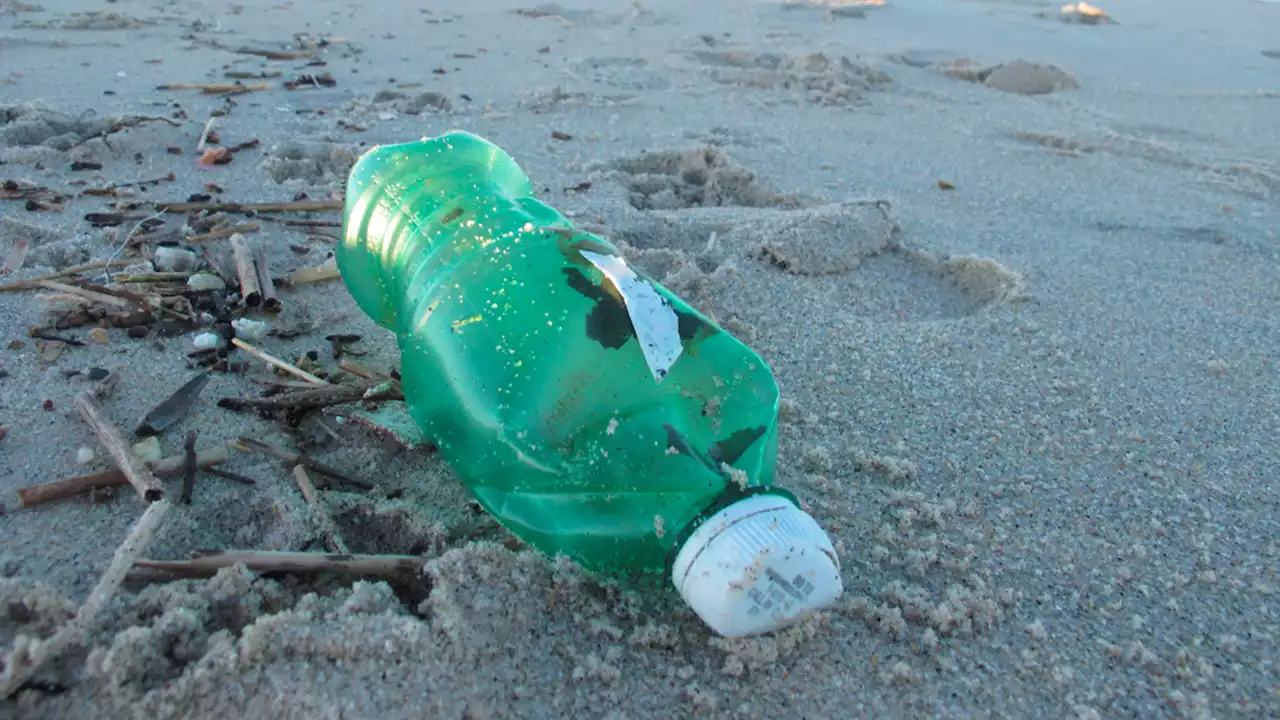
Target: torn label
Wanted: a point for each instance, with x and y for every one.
(654, 320)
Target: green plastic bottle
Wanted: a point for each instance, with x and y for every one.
(586, 407)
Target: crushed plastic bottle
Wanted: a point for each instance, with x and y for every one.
(587, 408)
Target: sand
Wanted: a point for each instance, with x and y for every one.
(1016, 273)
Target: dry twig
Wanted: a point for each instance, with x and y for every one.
(250, 445)
(87, 294)
(139, 476)
(189, 471)
(223, 233)
(270, 300)
(79, 484)
(359, 370)
(277, 362)
(204, 136)
(250, 290)
(233, 477)
(379, 566)
(304, 206)
(321, 397)
(217, 88)
(119, 124)
(33, 283)
(318, 273)
(21, 669)
(336, 543)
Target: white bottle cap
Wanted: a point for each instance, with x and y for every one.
(756, 566)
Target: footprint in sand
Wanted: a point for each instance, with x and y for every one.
(627, 73)
(31, 134)
(311, 163)
(818, 78)
(708, 226)
(749, 255)
(31, 125)
(835, 8)
(1020, 77)
(1251, 179)
(95, 20)
(46, 247)
(702, 176)
(632, 14)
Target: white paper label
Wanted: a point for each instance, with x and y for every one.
(656, 324)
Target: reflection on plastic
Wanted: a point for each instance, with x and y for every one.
(587, 408)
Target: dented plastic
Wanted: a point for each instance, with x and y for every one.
(590, 410)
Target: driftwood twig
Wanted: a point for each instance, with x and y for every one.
(270, 300)
(21, 669)
(302, 206)
(78, 484)
(327, 270)
(139, 476)
(189, 468)
(250, 289)
(277, 362)
(216, 88)
(250, 445)
(33, 283)
(336, 543)
(321, 397)
(204, 136)
(225, 232)
(233, 477)
(95, 296)
(380, 566)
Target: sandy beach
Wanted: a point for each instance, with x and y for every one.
(1016, 268)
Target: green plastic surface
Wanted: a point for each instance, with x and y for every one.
(521, 361)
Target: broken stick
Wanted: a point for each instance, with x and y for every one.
(250, 445)
(95, 296)
(167, 468)
(216, 88)
(250, 290)
(336, 543)
(277, 362)
(270, 300)
(23, 667)
(204, 136)
(139, 476)
(318, 273)
(223, 233)
(233, 477)
(33, 283)
(189, 469)
(380, 566)
(320, 397)
(303, 206)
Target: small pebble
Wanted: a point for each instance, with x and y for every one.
(249, 329)
(148, 450)
(205, 281)
(139, 331)
(84, 455)
(98, 335)
(205, 341)
(172, 259)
